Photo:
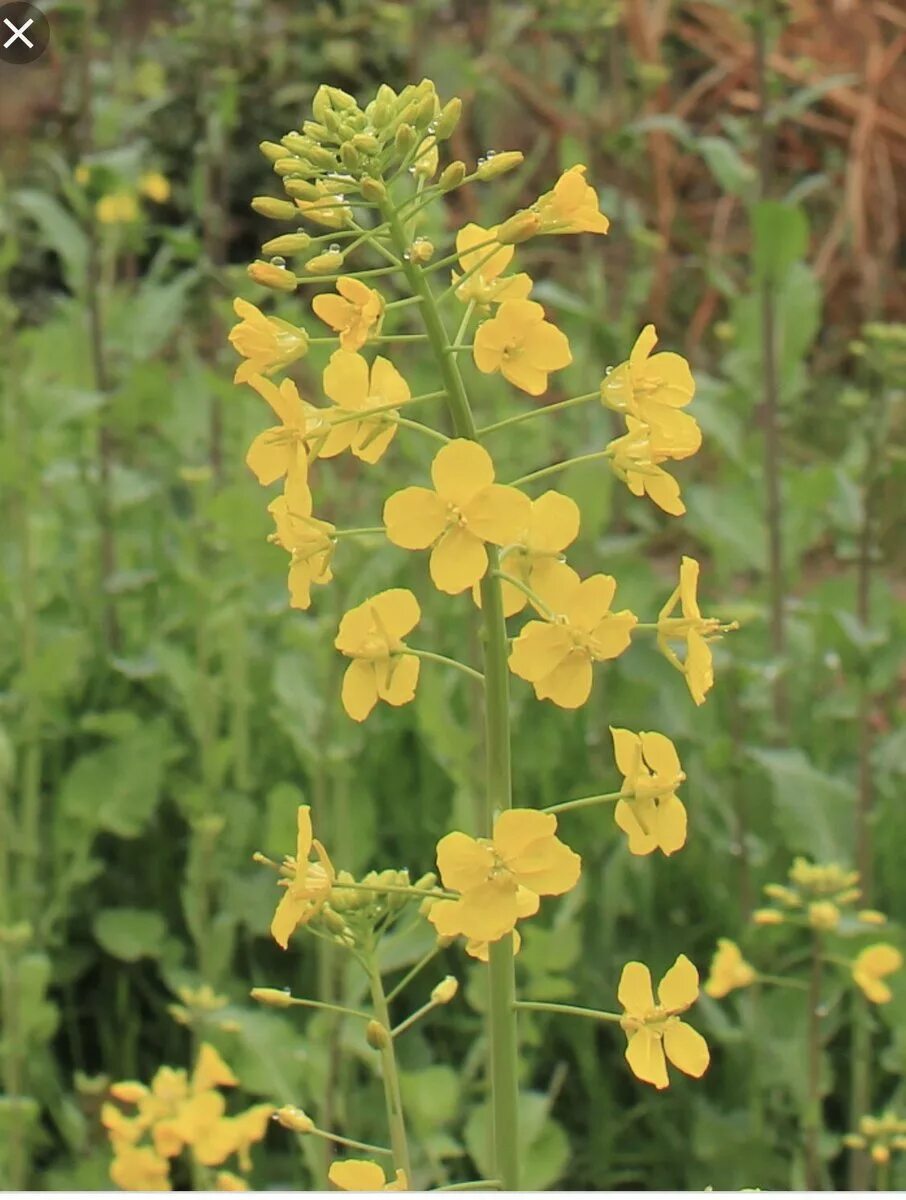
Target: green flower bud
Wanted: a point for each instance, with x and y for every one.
(366, 143)
(333, 920)
(452, 176)
(350, 157)
(426, 111)
(321, 106)
(332, 121)
(444, 991)
(274, 209)
(272, 997)
(319, 157)
(287, 243)
(421, 251)
(271, 275)
(271, 150)
(499, 164)
(342, 101)
(448, 119)
(295, 143)
(316, 131)
(405, 139)
(301, 189)
(291, 166)
(426, 883)
(372, 190)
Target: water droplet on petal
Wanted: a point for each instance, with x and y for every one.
(608, 370)
(490, 154)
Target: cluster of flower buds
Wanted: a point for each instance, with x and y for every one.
(816, 895)
(880, 1136)
(198, 1009)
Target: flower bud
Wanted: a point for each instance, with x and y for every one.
(272, 151)
(296, 144)
(301, 189)
(519, 228)
(292, 166)
(372, 190)
(333, 920)
(327, 263)
(880, 1153)
(270, 275)
(426, 110)
(366, 143)
(342, 101)
(452, 176)
(823, 915)
(229, 1025)
(444, 991)
(767, 916)
(319, 157)
(295, 1119)
(377, 1035)
(274, 209)
(350, 157)
(448, 119)
(421, 250)
(871, 916)
(128, 1091)
(331, 122)
(316, 131)
(405, 139)
(426, 882)
(499, 164)
(287, 243)
(273, 997)
(321, 106)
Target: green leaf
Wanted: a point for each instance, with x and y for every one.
(813, 810)
(728, 167)
(543, 1145)
(780, 238)
(60, 232)
(130, 933)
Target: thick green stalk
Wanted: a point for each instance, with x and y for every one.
(502, 1016)
(390, 1073)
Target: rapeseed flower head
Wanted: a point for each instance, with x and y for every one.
(371, 635)
(354, 311)
(466, 510)
(823, 915)
(266, 343)
(654, 389)
(871, 967)
(117, 208)
(650, 814)
(692, 628)
(880, 1136)
(310, 543)
(485, 286)
(307, 884)
(654, 1030)
(354, 390)
(520, 344)
(363, 1175)
(729, 970)
(556, 655)
(283, 450)
(535, 557)
(501, 879)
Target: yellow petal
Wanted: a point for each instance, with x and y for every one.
(591, 601)
(671, 824)
(569, 684)
(387, 385)
(492, 265)
(398, 611)
(460, 470)
(489, 911)
(679, 987)
(464, 863)
(396, 685)
(663, 490)
(304, 834)
(614, 634)
(517, 828)
(628, 816)
(498, 514)
(626, 750)
(548, 867)
(553, 524)
(548, 348)
(414, 517)
(645, 1056)
(538, 650)
(520, 372)
(357, 1176)
(211, 1071)
(269, 456)
(686, 1049)
(698, 666)
(286, 918)
(688, 584)
(359, 692)
(644, 344)
(332, 309)
(458, 561)
(634, 992)
(677, 387)
(346, 380)
(488, 346)
(660, 754)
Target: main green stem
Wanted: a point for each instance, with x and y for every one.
(498, 795)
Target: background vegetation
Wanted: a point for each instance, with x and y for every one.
(163, 712)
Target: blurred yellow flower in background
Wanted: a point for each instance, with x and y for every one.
(155, 186)
(871, 967)
(729, 970)
(117, 208)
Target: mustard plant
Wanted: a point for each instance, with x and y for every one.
(357, 183)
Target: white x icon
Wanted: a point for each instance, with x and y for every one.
(18, 34)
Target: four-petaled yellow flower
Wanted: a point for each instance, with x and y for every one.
(636, 457)
(692, 628)
(310, 542)
(521, 345)
(654, 1030)
(536, 556)
(283, 449)
(307, 884)
(654, 390)
(466, 510)
(484, 286)
(571, 206)
(348, 384)
(371, 635)
(653, 818)
(870, 968)
(266, 343)
(729, 970)
(556, 655)
(354, 313)
(501, 879)
(363, 1175)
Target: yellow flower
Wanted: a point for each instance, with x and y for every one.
(654, 818)
(283, 449)
(556, 655)
(768, 916)
(121, 1130)
(654, 389)
(485, 287)
(692, 628)
(226, 1181)
(117, 208)
(466, 510)
(363, 1175)
(521, 345)
(870, 968)
(501, 879)
(211, 1071)
(553, 524)
(327, 208)
(309, 541)
(635, 458)
(267, 343)
(139, 1169)
(155, 186)
(349, 386)
(572, 206)
(308, 884)
(371, 635)
(823, 914)
(729, 970)
(354, 313)
(655, 1030)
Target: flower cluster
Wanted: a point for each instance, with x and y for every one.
(880, 1136)
(151, 1125)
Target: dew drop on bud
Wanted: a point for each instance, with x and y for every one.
(490, 154)
(406, 255)
(277, 261)
(608, 370)
(412, 169)
(334, 248)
